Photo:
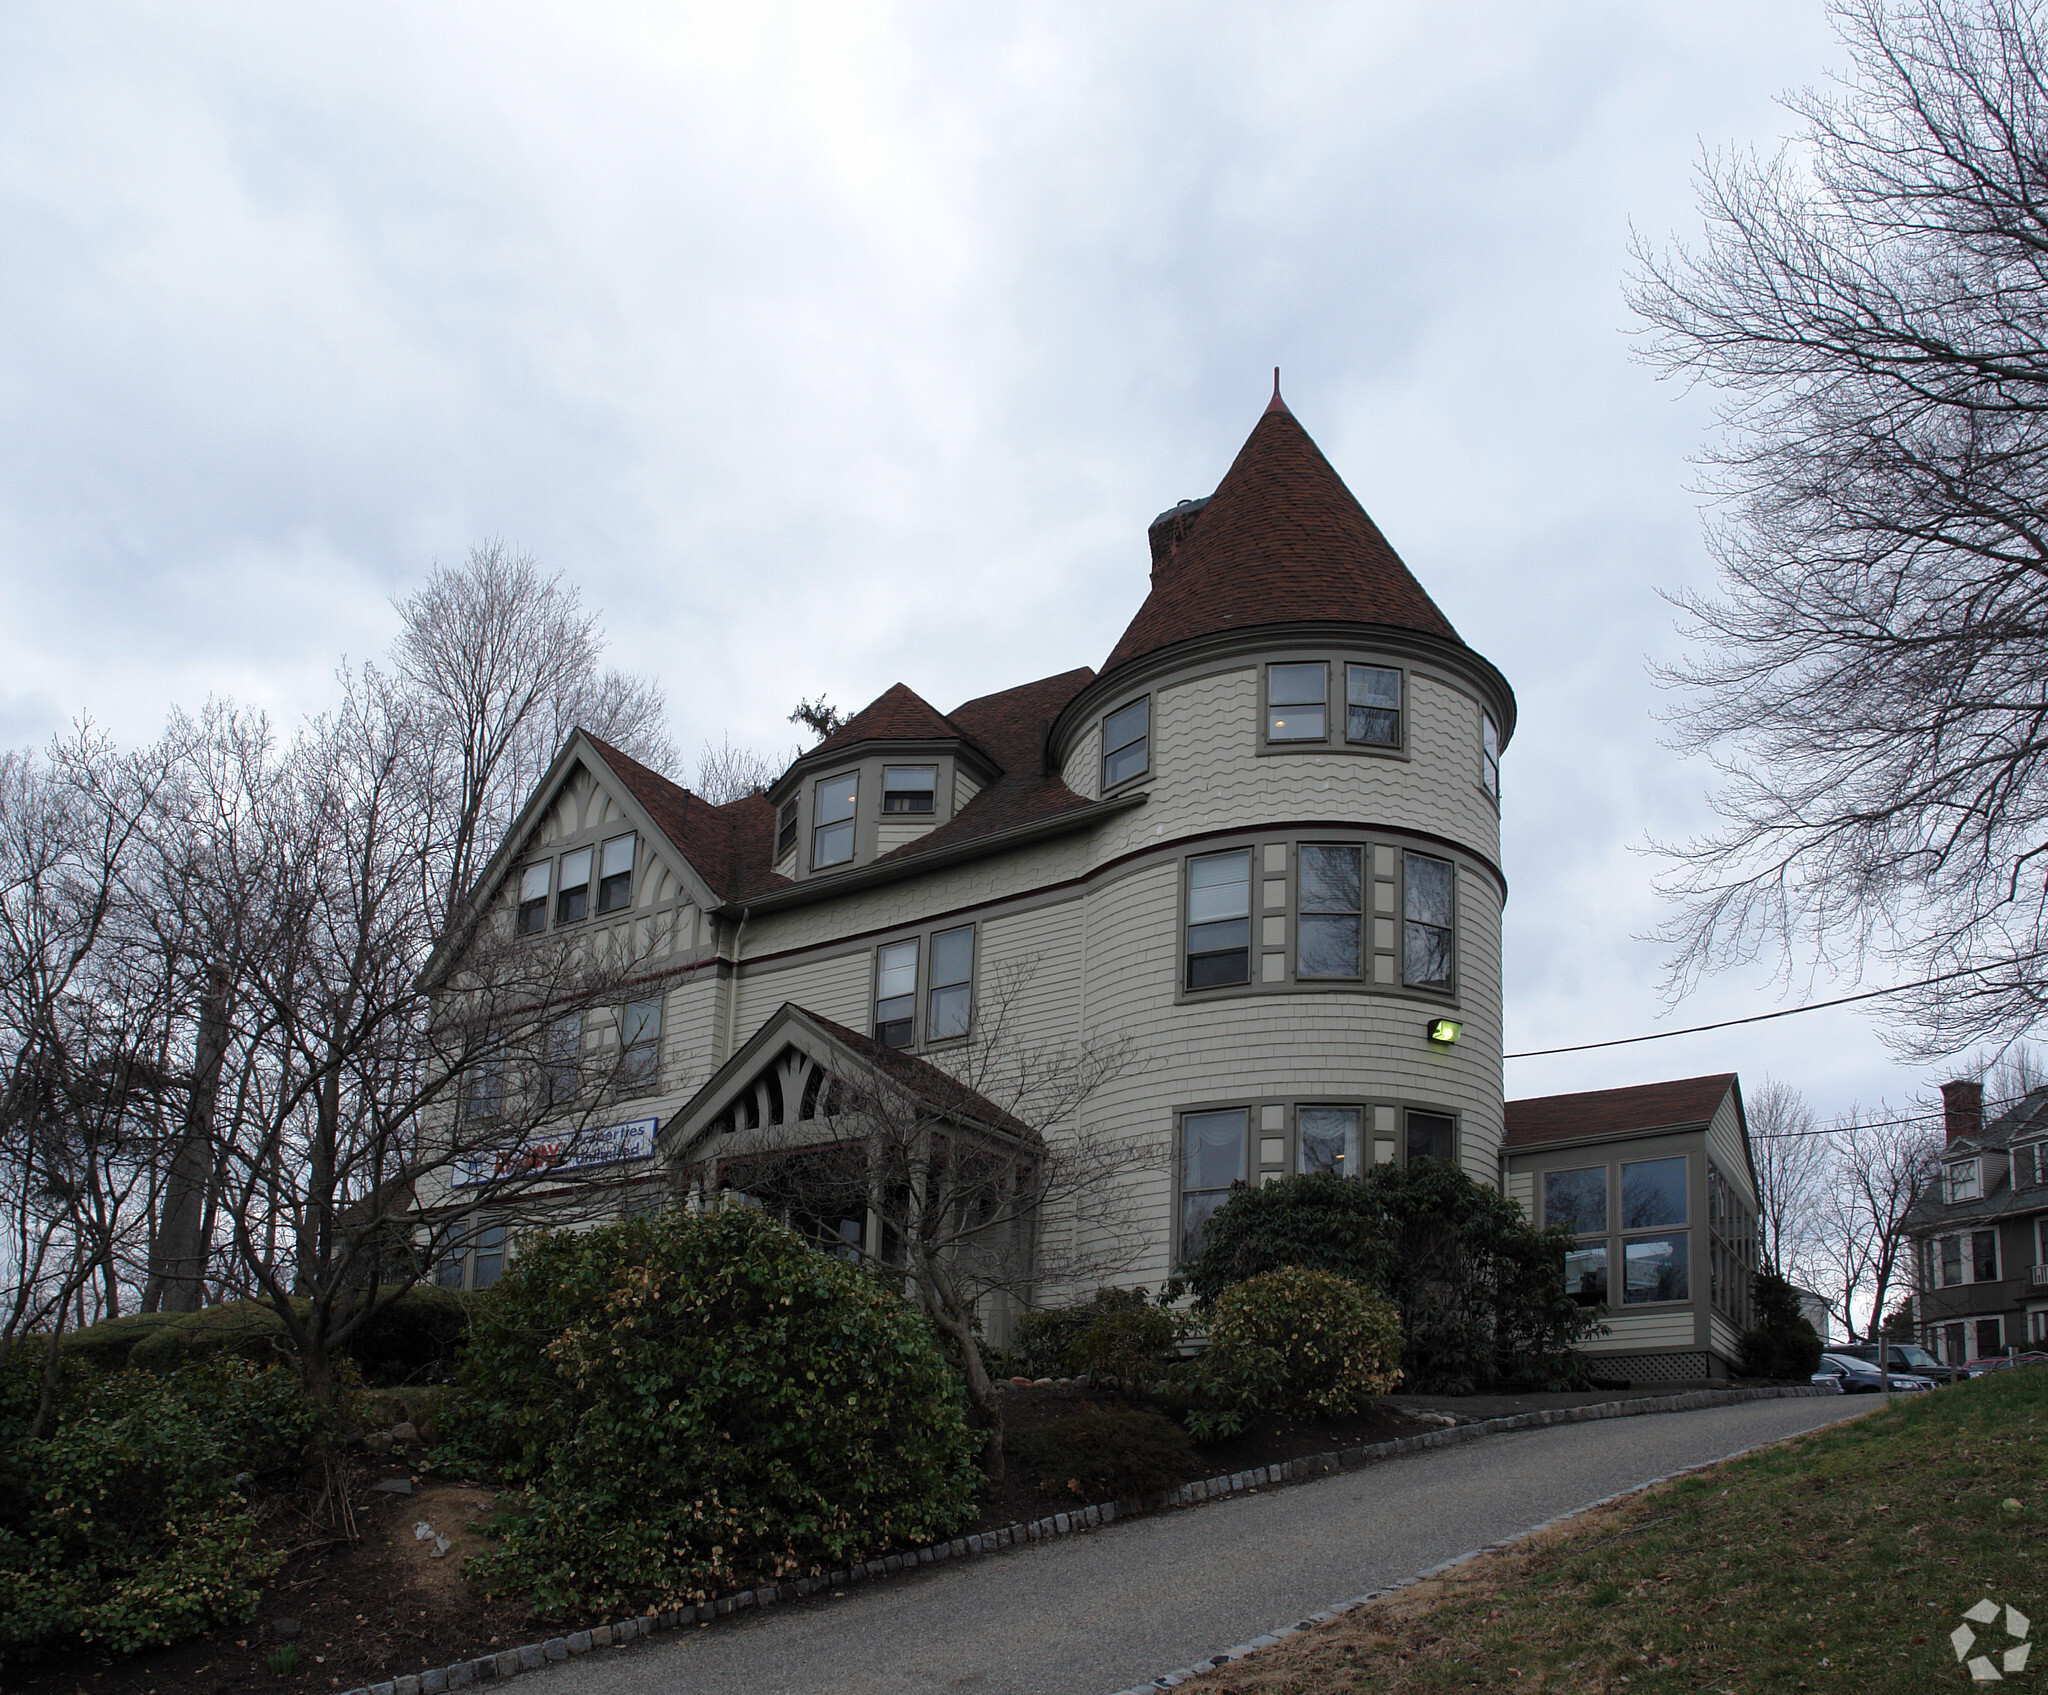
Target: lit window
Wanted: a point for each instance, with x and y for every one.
(1429, 907)
(1489, 755)
(1126, 743)
(1331, 899)
(1372, 697)
(615, 875)
(832, 808)
(895, 994)
(533, 898)
(909, 788)
(952, 984)
(1212, 1158)
(1964, 1184)
(1432, 1135)
(1297, 703)
(1219, 919)
(785, 830)
(639, 1046)
(1329, 1139)
(573, 903)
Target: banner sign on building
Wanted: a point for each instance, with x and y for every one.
(563, 1151)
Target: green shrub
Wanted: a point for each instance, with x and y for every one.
(1131, 1342)
(123, 1527)
(701, 1401)
(1326, 1345)
(1046, 1338)
(107, 1344)
(1781, 1343)
(1480, 1291)
(248, 1330)
(1106, 1453)
(419, 1335)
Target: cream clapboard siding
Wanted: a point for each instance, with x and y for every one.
(1521, 1189)
(1724, 1338)
(889, 836)
(965, 788)
(1631, 1332)
(1724, 1144)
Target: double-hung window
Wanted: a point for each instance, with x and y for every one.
(1578, 1200)
(1372, 699)
(1430, 904)
(896, 994)
(483, 1089)
(1984, 1256)
(833, 802)
(615, 875)
(1655, 1266)
(487, 1257)
(1330, 928)
(572, 903)
(1212, 1158)
(1329, 1139)
(1951, 1261)
(1219, 919)
(562, 1060)
(909, 788)
(533, 897)
(1297, 703)
(639, 1046)
(1489, 756)
(1126, 743)
(952, 990)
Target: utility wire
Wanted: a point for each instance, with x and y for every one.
(1761, 1017)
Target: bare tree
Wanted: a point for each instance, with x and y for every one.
(986, 1179)
(1878, 1169)
(727, 773)
(1791, 1176)
(1872, 678)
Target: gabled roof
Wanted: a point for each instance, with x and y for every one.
(897, 714)
(1281, 541)
(2023, 1120)
(728, 846)
(1599, 1114)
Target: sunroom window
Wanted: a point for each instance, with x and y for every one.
(832, 808)
(1578, 1200)
(909, 788)
(1372, 697)
(615, 875)
(896, 994)
(1126, 743)
(1297, 703)
(1219, 919)
(533, 898)
(572, 904)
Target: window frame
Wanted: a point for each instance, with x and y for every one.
(625, 1082)
(522, 902)
(876, 1023)
(932, 988)
(1103, 783)
(1954, 1175)
(1682, 1228)
(931, 795)
(1186, 950)
(850, 823)
(1362, 913)
(607, 882)
(1400, 709)
(1489, 756)
(787, 819)
(1249, 1114)
(1449, 986)
(1266, 704)
(1336, 737)
(1352, 1159)
(564, 888)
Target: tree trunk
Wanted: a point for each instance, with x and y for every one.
(178, 1252)
(943, 1302)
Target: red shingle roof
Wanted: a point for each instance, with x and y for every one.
(1615, 1112)
(897, 714)
(728, 846)
(938, 1089)
(1281, 541)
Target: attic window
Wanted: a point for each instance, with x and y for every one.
(1125, 744)
(533, 898)
(909, 788)
(572, 905)
(1372, 698)
(615, 875)
(785, 831)
(832, 811)
(1964, 1181)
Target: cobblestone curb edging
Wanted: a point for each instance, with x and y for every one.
(536, 1656)
(1169, 1680)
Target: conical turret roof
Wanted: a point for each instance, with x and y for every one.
(1281, 541)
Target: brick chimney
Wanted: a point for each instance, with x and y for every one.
(1169, 531)
(1962, 1109)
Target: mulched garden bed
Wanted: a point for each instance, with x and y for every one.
(388, 1604)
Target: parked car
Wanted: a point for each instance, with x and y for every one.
(1906, 1357)
(1999, 1362)
(1860, 1377)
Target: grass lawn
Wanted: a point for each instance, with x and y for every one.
(1838, 1560)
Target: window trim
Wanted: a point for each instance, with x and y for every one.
(1266, 706)
(605, 904)
(850, 823)
(1103, 785)
(1250, 949)
(564, 888)
(876, 1023)
(1336, 738)
(921, 1038)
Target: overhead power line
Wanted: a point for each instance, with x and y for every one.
(1762, 1017)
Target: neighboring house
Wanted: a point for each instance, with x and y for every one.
(1262, 843)
(1980, 1232)
(1818, 1311)
(1659, 1186)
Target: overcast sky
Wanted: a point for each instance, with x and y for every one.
(827, 347)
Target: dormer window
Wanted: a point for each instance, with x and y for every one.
(785, 830)
(832, 808)
(615, 875)
(1372, 700)
(533, 898)
(1297, 703)
(1965, 1180)
(572, 904)
(1126, 744)
(909, 788)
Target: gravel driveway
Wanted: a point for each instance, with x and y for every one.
(1095, 1613)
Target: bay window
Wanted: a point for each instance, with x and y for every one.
(833, 803)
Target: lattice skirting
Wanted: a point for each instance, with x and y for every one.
(1652, 1368)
